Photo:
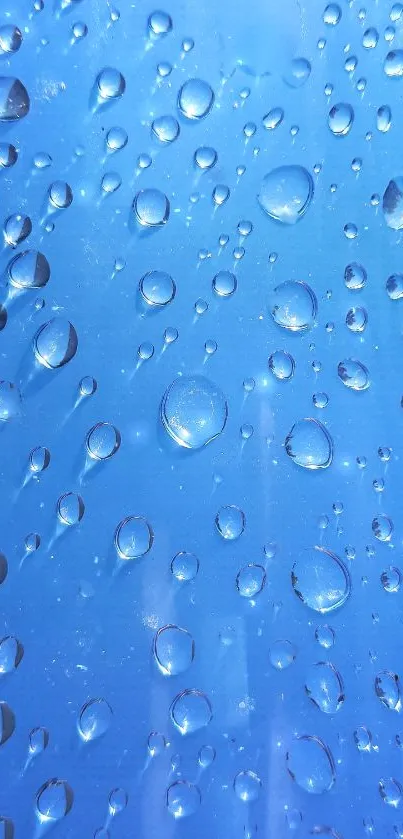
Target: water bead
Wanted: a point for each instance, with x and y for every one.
(183, 799)
(332, 14)
(174, 650)
(350, 231)
(185, 566)
(8, 155)
(110, 84)
(38, 741)
(10, 39)
(79, 30)
(54, 800)
(117, 801)
(159, 24)
(151, 208)
(205, 157)
(94, 719)
(144, 161)
(133, 537)
(14, 99)
(224, 284)
(282, 654)
(247, 786)
(190, 711)
(353, 374)
(70, 508)
(60, 195)
(250, 580)
(356, 319)
(39, 459)
(310, 764)
(10, 401)
(324, 687)
(157, 288)
(206, 756)
(282, 365)
(370, 38)
(391, 579)
(195, 99)
(341, 118)
(382, 528)
(321, 580)
(193, 411)
(393, 64)
(309, 444)
(55, 343)
(220, 194)
(17, 227)
(165, 129)
(230, 522)
(87, 386)
(110, 182)
(286, 193)
(293, 305)
(156, 743)
(298, 73)
(102, 441)
(273, 118)
(11, 654)
(116, 139)
(355, 276)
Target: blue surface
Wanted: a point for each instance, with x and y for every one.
(86, 616)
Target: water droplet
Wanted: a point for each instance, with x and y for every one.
(393, 64)
(28, 269)
(159, 24)
(133, 537)
(282, 365)
(151, 208)
(286, 193)
(293, 305)
(273, 118)
(393, 203)
(11, 654)
(230, 522)
(87, 386)
(117, 801)
(321, 580)
(110, 84)
(10, 38)
(42, 160)
(193, 411)
(370, 38)
(165, 129)
(394, 286)
(310, 764)
(250, 580)
(190, 711)
(39, 459)
(332, 14)
(14, 99)
(220, 194)
(324, 687)
(79, 30)
(60, 195)
(341, 118)
(390, 791)
(356, 319)
(247, 786)
(16, 228)
(55, 343)
(8, 152)
(183, 799)
(206, 756)
(102, 441)
(94, 719)
(382, 528)
(387, 689)
(110, 182)
(157, 288)
(224, 284)
(205, 157)
(282, 654)
(355, 276)
(54, 800)
(70, 508)
(195, 99)
(309, 444)
(185, 566)
(38, 741)
(10, 401)
(363, 739)
(324, 635)
(383, 118)
(353, 374)
(156, 743)
(298, 73)
(174, 649)
(116, 139)
(391, 579)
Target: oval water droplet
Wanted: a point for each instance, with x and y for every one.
(7, 722)
(247, 786)
(133, 537)
(224, 283)
(159, 24)
(324, 687)
(195, 99)
(70, 508)
(298, 72)
(387, 689)
(38, 741)
(174, 649)
(183, 799)
(310, 764)
(250, 580)
(117, 801)
(60, 195)
(54, 800)
(393, 64)
(151, 208)
(14, 99)
(341, 118)
(273, 119)
(286, 193)
(185, 566)
(392, 203)
(282, 365)
(320, 580)
(28, 269)
(94, 719)
(394, 286)
(205, 157)
(157, 288)
(309, 444)
(353, 374)
(55, 343)
(383, 118)
(230, 522)
(193, 411)
(190, 711)
(282, 654)
(110, 83)
(166, 129)
(293, 305)
(382, 528)
(10, 401)
(10, 38)
(102, 441)
(16, 229)
(390, 791)
(11, 654)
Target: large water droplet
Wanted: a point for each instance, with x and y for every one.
(110, 83)
(247, 786)
(282, 365)
(324, 687)
(309, 444)
(11, 654)
(195, 99)
(174, 649)
(165, 129)
(10, 38)
(183, 799)
(17, 228)
(159, 24)
(133, 537)
(293, 305)
(341, 118)
(70, 508)
(190, 711)
(393, 64)
(94, 719)
(54, 800)
(390, 791)
(28, 269)
(151, 208)
(55, 343)
(14, 99)
(10, 401)
(286, 193)
(387, 689)
(102, 441)
(230, 522)
(392, 203)
(250, 580)
(321, 580)
(310, 764)
(157, 288)
(298, 73)
(193, 411)
(353, 374)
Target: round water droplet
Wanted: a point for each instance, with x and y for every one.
(54, 800)
(165, 129)
(309, 444)
(157, 288)
(286, 193)
(206, 756)
(10, 401)
(16, 228)
(394, 286)
(159, 24)
(298, 73)
(151, 208)
(230, 522)
(185, 566)
(390, 791)
(38, 741)
(355, 276)
(87, 386)
(28, 269)
(42, 160)
(393, 64)
(133, 537)
(332, 14)
(174, 649)
(11, 654)
(310, 764)
(190, 711)
(116, 139)
(247, 786)
(273, 118)
(183, 799)
(393, 203)
(205, 157)
(110, 83)
(110, 182)
(14, 99)
(250, 580)
(293, 305)
(10, 38)
(383, 118)
(193, 411)
(70, 508)
(363, 739)
(387, 689)
(94, 719)
(102, 441)
(117, 801)
(324, 635)
(320, 580)
(282, 654)
(60, 195)
(382, 528)
(353, 374)
(224, 284)
(282, 365)
(220, 194)
(156, 743)
(195, 99)
(341, 118)
(356, 319)
(324, 687)
(391, 579)
(370, 38)
(55, 343)
(39, 459)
